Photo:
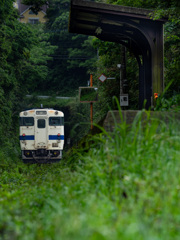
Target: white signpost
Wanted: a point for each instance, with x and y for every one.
(102, 78)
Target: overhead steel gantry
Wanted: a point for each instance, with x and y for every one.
(131, 27)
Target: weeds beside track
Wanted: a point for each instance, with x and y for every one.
(127, 186)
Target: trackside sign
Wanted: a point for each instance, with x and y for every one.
(102, 78)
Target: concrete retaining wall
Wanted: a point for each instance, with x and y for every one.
(129, 116)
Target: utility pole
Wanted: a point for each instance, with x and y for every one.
(120, 82)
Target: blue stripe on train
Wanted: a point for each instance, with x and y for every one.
(56, 137)
(51, 137)
(27, 137)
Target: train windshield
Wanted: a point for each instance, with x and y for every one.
(56, 121)
(41, 123)
(26, 121)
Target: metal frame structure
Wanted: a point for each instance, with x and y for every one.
(131, 27)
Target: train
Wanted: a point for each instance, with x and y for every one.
(41, 135)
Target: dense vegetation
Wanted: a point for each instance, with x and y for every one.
(124, 185)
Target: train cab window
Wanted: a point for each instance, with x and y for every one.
(41, 123)
(56, 121)
(26, 121)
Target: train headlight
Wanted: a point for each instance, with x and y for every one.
(56, 113)
(27, 153)
(56, 153)
(25, 113)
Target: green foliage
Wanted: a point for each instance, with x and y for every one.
(107, 64)
(13, 43)
(71, 54)
(6, 10)
(83, 56)
(151, 4)
(24, 53)
(110, 54)
(35, 69)
(172, 57)
(74, 56)
(35, 4)
(171, 104)
(125, 187)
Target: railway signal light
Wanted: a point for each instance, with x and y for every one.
(155, 95)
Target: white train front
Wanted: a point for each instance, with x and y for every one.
(41, 135)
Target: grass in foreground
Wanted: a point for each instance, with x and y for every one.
(126, 187)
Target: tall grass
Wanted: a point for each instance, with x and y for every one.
(138, 170)
(127, 186)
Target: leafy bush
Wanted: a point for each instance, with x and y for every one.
(171, 104)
